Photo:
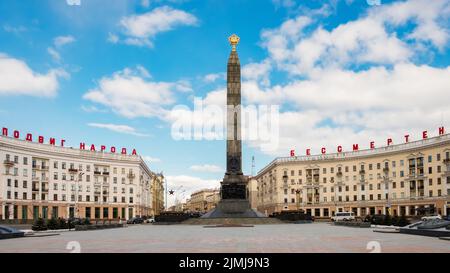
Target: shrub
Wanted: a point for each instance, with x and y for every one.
(52, 224)
(387, 220)
(39, 225)
(61, 223)
(402, 221)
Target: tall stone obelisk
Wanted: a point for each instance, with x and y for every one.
(233, 191)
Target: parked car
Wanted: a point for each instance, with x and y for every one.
(343, 216)
(135, 220)
(149, 220)
(446, 218)
(431, 217)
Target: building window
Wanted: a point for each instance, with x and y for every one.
(63, 165)
(430, 170)
(25, 161)
(402, 174)
(55, 164)
(131, 200)
(55, 197)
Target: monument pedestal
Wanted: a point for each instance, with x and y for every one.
(234, 201)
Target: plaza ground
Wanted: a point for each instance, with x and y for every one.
(284, 238)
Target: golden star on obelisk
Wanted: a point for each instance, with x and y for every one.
(234, 40)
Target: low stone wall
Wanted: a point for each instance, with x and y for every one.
(97, 227)
(353, 224)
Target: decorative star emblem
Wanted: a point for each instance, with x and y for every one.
(171, 192)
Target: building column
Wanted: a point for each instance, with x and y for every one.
(126, 213)
(384, 209)
(406, 210)
(11, 211)
(2, 213)
(358, 211)
(444, 211)
(415, 209)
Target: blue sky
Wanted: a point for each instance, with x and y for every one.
(343, 72)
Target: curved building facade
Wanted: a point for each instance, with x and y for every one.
(407, 179)
(40, 180)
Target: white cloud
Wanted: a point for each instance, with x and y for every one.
(301, 47)
(92, 109)
(15, 30)
(257, 72)
(63, 40)
(206, 168)
(141, 29)
(145, 3)
(124, 129)
(130, 94)
(187, 185)
(113, 38)
(17, 78)
(210, 78)
(341, 107)
(54, 54)
(73, 2)
(150, 159)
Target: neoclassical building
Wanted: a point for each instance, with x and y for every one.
(41, 180)
(408, 179)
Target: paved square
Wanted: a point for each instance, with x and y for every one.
(317, 237)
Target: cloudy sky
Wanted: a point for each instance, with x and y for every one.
(110, 72)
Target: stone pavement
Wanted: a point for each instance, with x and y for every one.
(317, 237)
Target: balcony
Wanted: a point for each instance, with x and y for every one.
(386, 170)
(339, 174)
(45, 168)
(105, 173)
(131, 175)
(97, 173)
(44, 179)
(446, 161)
(35, 189)
(44, 189)
(362, 172)
(36, 167)
(73, 170)
(8, 163)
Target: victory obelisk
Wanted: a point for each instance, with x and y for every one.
(234, 201)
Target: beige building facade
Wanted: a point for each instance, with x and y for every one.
(40, 180)
(406, 179)
(203, 200)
